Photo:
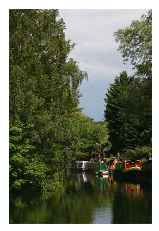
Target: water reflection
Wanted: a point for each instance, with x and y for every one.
(85, 199)
(133, 190)
(102, 215)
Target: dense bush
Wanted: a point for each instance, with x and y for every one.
(138, 153)
(26, 167)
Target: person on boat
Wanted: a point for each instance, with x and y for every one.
(101, 168)
(138, 164)
(118, 156)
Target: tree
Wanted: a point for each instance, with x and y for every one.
(44, 86)
(116, 111)
(85, 134)
(44, 83)
(128, 100)
(128, 113)
(135, 44)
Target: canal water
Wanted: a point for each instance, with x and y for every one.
(85, 199)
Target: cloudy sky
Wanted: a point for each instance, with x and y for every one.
(96, 51)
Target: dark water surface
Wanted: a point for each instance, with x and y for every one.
(85, 199)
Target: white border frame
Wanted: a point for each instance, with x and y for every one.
(4, 97)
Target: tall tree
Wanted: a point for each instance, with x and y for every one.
(127, 113)
(128, 110)
(44, 82)
(44, 91)
(135, 44)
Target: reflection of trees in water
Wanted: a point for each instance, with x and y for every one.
(131, 205)
(76, 199)
(69, 203)
(27, 210)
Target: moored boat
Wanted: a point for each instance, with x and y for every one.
(128, 170)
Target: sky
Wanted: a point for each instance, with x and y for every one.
(96, 51)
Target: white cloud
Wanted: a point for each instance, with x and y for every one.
(96, 50)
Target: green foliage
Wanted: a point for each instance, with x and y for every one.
(129, 119)
(44, 82)
(135, 44)
(46, 124)
(138, 152)
(128, 100)
(86, 134)
(25, 166)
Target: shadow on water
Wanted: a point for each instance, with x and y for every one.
(84, 199)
